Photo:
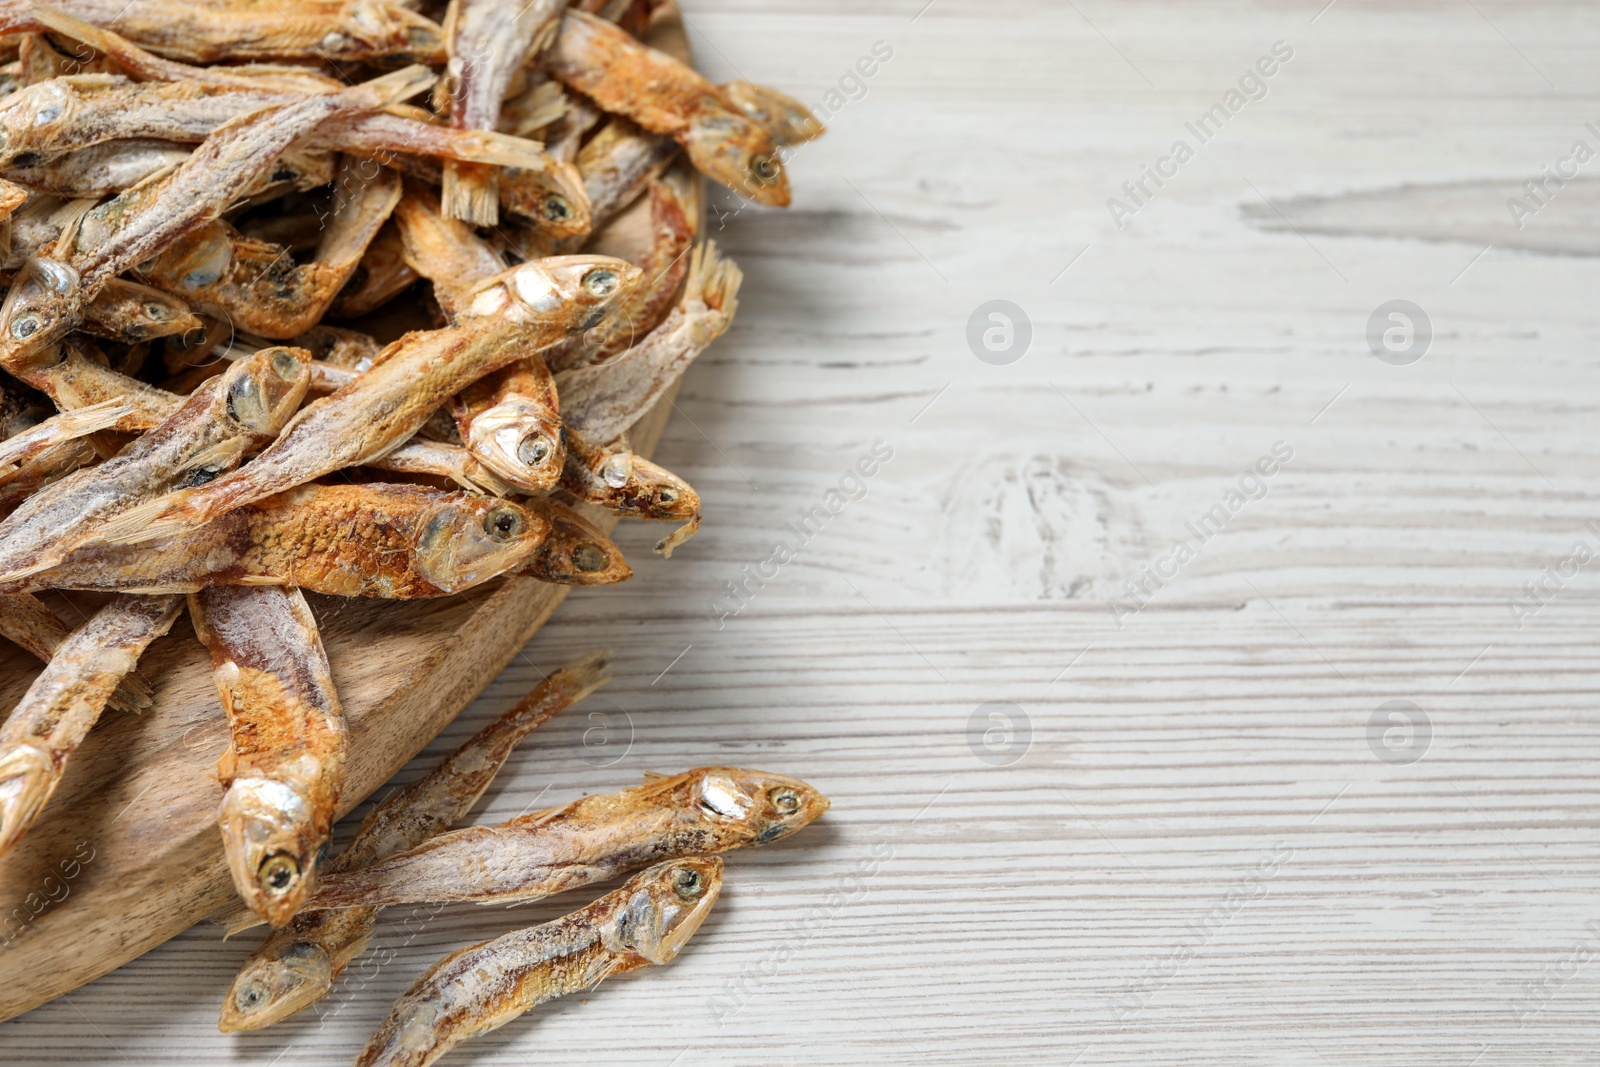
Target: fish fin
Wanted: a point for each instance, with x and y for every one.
(653, 776)
(62, 427)
(501, 149)
(678, 537)
(397, 86)
(546, 104)
(164, 516)
(713, 280)
(470, 193)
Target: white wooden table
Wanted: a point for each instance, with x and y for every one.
(1211, 843)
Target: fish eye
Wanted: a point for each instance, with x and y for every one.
(555, 208)
(159, 312)
(503, 524)
(249, 997)
(245, 403)
(763, 169)
(667, 495)
(285, 366)
(26, 325)
(589, 557)
(786, 800)
(278, 873)
(200, 476)
(687, 883)
(534, 449)
(601, 282)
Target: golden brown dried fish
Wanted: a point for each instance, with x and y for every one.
(391, 541)
(513, 314)
(631, 485)
(66, 699)
(75, 374)
(487, 41)
(448, 253)
(575, 551)
(102, 169)
(665, 96)
(441, 460)
(204, 31)
(130, 312)
(202, 436)
(28, 624)
(298, 963)
(601, 402)
(696, 813)
(260, 287)
(284, 768)
(481, 988)
(511, 421)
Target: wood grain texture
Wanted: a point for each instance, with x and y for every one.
(1198, 858)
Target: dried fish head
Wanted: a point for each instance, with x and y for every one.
(41, 307)
(29, 118)
(27, 778)
(738, 153)
(575, 552)
(787, 120)
(273, 987)
(470, 539)
(518, 441)
(553, 197)
(664, 906)
(769, 806)
(265, 389)
(582, 288)
(272, 862)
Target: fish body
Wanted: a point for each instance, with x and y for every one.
(284, 768)
(517, 312)
(697, 813)
(298, 963)
(389, 541)
(66, 700)
(28, 624)
(202, 435)
(618, 164)
(668, 97)
(481, 988)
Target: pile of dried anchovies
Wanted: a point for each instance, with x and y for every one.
(192, 196)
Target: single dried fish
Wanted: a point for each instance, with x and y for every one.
(574, 552)
(28, 624)
(298, 963)
(487, 41)
(512, 315)
(284, 768)
(129, 312)
(102, 169)
(204, 31)
(601, 402)
(201, 436)
(66, 699)
(696, 813)
(420, 456)
(391, 541)
(665, 96)
(481, 988)
(631, 485)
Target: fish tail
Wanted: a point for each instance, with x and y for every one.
(470, 192)
(714, 279)
(583, 675)
(502, 149)
(28, 777)
(678, 537)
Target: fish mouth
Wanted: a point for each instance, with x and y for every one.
(270, 990)
(27, 778)
(267, 835)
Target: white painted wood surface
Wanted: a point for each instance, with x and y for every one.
(1198, 858)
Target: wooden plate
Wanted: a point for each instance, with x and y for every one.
(128, 854)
